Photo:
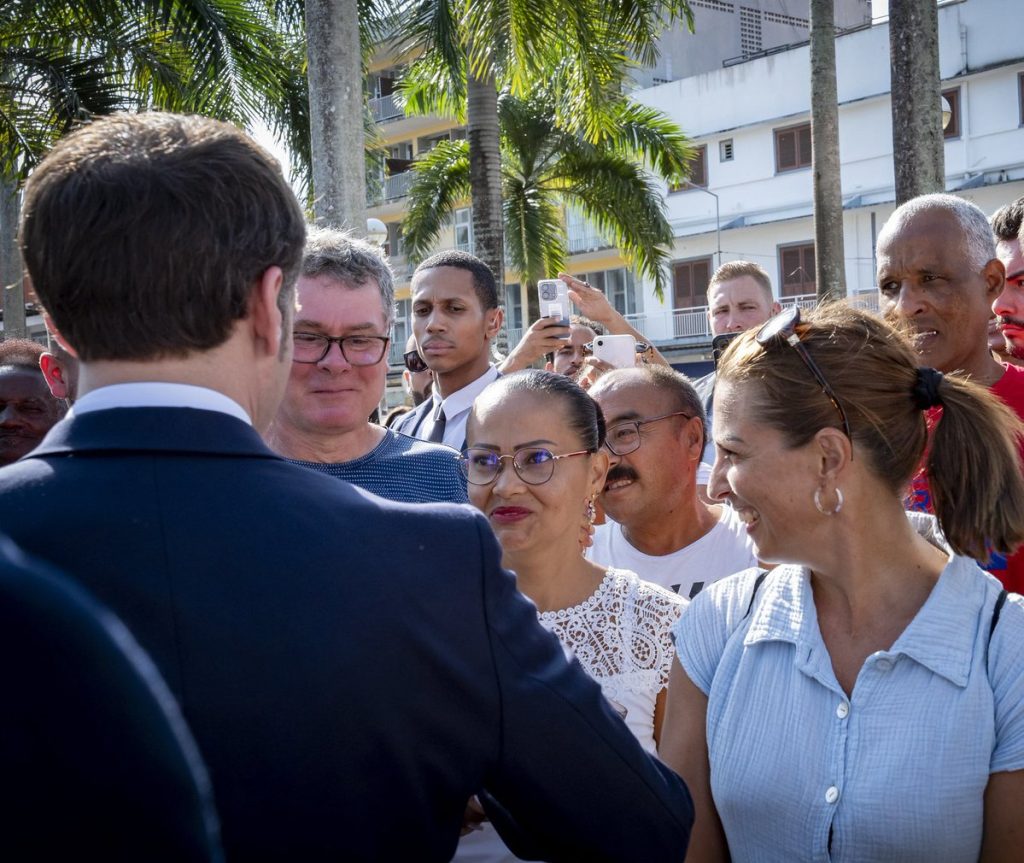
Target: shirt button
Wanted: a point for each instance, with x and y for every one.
(832, 795)
(843, 710)
(883, 664)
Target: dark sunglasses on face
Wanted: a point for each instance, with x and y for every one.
(783, 326)
(414, 362)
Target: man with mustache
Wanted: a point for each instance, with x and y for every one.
(456, 316)
(27, 410)
(658, 526)
(938, 274)
(1009, 305)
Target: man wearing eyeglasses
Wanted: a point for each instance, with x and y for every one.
(345, 307)
(658, 526)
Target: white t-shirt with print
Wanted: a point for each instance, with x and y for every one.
(723, 550)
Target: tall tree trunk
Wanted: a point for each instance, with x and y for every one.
(11, 280)
(336, 113)
(829, 255)
(918, 156)
(485, 180)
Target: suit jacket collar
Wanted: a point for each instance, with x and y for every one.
(181, 430)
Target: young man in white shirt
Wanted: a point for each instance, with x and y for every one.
(455, 319)
(658, 526)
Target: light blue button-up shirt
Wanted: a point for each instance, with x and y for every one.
(896, 772)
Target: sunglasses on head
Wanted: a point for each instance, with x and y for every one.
(414, 362)
(783, 326)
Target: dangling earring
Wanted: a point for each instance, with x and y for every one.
(821, 509)
(591, 510)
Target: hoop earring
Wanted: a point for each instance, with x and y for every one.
(821, 509)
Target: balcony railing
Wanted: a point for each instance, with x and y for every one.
(397, 185)
(688, 327)
(385, 108)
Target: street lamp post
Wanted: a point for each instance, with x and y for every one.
(718, 221)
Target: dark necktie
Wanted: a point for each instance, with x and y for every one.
(437, 432)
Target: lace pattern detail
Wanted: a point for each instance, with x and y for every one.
(621, 633)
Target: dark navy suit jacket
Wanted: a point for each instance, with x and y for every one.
(353, 669)
(95, 760)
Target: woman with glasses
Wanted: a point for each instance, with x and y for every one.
(534, 463)
(865, 699)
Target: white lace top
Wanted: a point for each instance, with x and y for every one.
(621, 636)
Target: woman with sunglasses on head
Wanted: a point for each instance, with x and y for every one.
(534, 463)
(865, 699)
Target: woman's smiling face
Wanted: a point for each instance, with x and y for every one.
(770, 484)
(526, 517)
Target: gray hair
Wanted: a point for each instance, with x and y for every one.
(351, 261)
(979, 243)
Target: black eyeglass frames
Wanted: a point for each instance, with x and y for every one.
(357, 350)
(783, 326)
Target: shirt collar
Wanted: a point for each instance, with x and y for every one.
(936, 638)
(462, 400)
(158, 394)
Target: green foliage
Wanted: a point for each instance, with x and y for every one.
(65, 61)
(545, 168)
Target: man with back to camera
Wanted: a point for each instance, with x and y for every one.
(455, 317)
(1008, 227)
(27, 409)
(938, 274)
(344, 711)
(345, 310)
(659, 527)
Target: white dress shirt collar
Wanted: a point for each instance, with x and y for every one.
(456, 409)
(153, 394)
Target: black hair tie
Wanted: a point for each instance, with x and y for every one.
(926, 388)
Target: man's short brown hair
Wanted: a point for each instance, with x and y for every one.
(737, 269)
(1008, 222)
(145, 234)
(20, 353)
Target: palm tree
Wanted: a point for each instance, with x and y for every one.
(545, 168)
(580, 49)
(64, 61)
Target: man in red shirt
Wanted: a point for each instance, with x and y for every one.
(938, 273)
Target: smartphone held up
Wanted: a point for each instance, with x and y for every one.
(554, 299)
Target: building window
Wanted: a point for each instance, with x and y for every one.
(464, 229)
(796, 270)
(793, 148)
(725, 150)
(952, 129)
(401, 329)
(618, 285)
(513, 308)
(393, 246)
(698, 171)
(690, 283)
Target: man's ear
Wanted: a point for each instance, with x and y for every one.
(267, 321)
(994, 274)
(56, 336)
(776, 308)
(693, 438)
(493, 319)
(54, 374)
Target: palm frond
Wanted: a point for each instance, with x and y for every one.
(441, 181)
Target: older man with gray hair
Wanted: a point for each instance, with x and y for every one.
(939, 275)
(345, 308)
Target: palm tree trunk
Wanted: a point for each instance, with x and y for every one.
(918, 155)
(336, 113)
(485, 176)
(10, 263)
(829, 257)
